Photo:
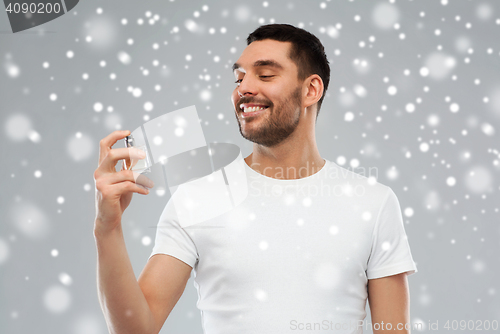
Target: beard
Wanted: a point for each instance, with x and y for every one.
(280, 123)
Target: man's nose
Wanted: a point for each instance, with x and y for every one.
(247, 87)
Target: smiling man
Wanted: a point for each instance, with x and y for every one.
(306, 249)
(280, 88)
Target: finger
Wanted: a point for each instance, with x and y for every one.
(107, 142)
(116, 154)
(128, 164)
(143, 180)
(127, 187)
(128, 175)
(132, 163)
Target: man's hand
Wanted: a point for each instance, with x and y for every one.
(114, 189)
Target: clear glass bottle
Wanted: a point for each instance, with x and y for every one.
(142, 166)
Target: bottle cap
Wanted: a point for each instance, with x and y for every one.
(129, 141)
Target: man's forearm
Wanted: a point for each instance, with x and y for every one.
(122, 301)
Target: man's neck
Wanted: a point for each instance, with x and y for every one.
(295, 158)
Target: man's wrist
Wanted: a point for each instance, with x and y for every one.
(103, 229)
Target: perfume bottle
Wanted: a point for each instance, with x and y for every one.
(142, 166)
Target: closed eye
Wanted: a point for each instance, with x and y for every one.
(262, 76)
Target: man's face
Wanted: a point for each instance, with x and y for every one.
(267, 78)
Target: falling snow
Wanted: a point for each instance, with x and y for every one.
(414, 93)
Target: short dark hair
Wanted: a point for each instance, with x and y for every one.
(306, 52)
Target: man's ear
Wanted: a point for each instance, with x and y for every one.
(313, 90)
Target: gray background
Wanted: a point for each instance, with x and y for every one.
(50, 147)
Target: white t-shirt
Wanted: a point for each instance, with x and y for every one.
(295, 255)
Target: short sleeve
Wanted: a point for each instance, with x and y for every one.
(390, 252)
(172, 239)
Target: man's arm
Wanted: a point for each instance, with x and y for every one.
(136, 306)
(162, 282)
(389, 300)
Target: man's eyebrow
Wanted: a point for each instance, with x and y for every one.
(264, 62)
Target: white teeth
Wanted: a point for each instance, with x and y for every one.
(251, 109)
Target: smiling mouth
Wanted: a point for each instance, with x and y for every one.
(253, 109)
(253, 112)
